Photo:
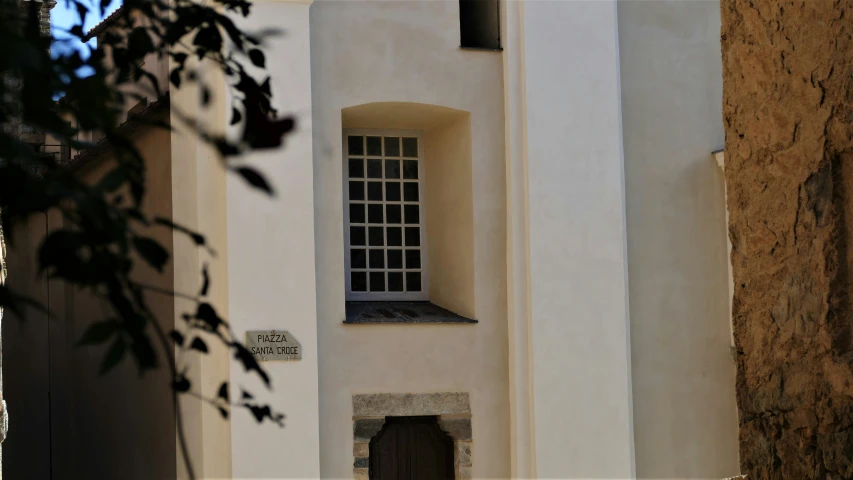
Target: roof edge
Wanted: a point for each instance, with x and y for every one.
(106, 22)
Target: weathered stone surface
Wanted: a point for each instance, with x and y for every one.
(410, 404)
(463, 454)
(464, 473)
(458, 428)
(361, 462)
(364, 429)
(788, 113)
(361, 450)
(361, 474)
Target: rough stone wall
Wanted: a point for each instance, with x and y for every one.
(788, 113)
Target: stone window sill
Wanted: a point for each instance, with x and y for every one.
(365, 313)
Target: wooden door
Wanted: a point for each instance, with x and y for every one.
(411, 448)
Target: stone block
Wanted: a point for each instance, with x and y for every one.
(361, 462)
(361, 449)
(463, 454)
(410, 404)
(458, 428)
(361, 474)
(364, 429)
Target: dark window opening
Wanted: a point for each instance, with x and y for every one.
(479, 24)
(412, 448)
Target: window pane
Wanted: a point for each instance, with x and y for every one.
(392, 169)
(374, 146)
(395, 236)
(356, 145)
(392, 191)
(377, 259)
(374, 168)
(384, 213)
(413, 259)
(410, 169)
(356, 213)
(356, 168)
(392, 146)
(356, 235)
(356, 190)
(358, 281)
(374, 191)
(395, 281)
(395, 259)
(410, 147)
(374, 213)
(377, 282)
(412, 214)
(413, 281)
(410, 192)
(413, 236)
(357, 258)
(392, 214)
(376, 237)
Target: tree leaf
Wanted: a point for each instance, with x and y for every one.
(260, 412)
(223, 391)
(177, 337)
(208, 39)
(113, 356)
(198, 344)
(223, 412)
(249, 362)
(205, 281)
(175, 77)
(255, 179)
(245, 395)
(99, 332)
(151, 251)
(139, 43)
(257, 58)
(196, 237)
(81, 12)
(143, 352)
(14, 302)
(181, 384)
(205, 95)
(112, 180)
(207, 314)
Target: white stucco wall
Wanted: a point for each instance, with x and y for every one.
(408, 51)
(685, 420)
(271, 264)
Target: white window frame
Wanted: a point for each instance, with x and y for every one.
(423, 295)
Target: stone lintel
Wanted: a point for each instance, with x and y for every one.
(410, 404)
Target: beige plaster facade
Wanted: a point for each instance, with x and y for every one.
(572, 209)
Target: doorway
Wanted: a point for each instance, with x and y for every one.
(411, 448)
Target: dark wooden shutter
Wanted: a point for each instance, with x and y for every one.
(411, 448)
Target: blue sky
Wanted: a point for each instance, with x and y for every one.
(64, 16)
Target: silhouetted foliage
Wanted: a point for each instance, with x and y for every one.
(101, 239)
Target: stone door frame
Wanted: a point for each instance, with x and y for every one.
(453, 410)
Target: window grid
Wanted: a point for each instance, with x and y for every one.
(385, 237)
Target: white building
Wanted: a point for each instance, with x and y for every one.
(549, 185)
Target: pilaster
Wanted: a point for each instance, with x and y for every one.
(568, 299)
